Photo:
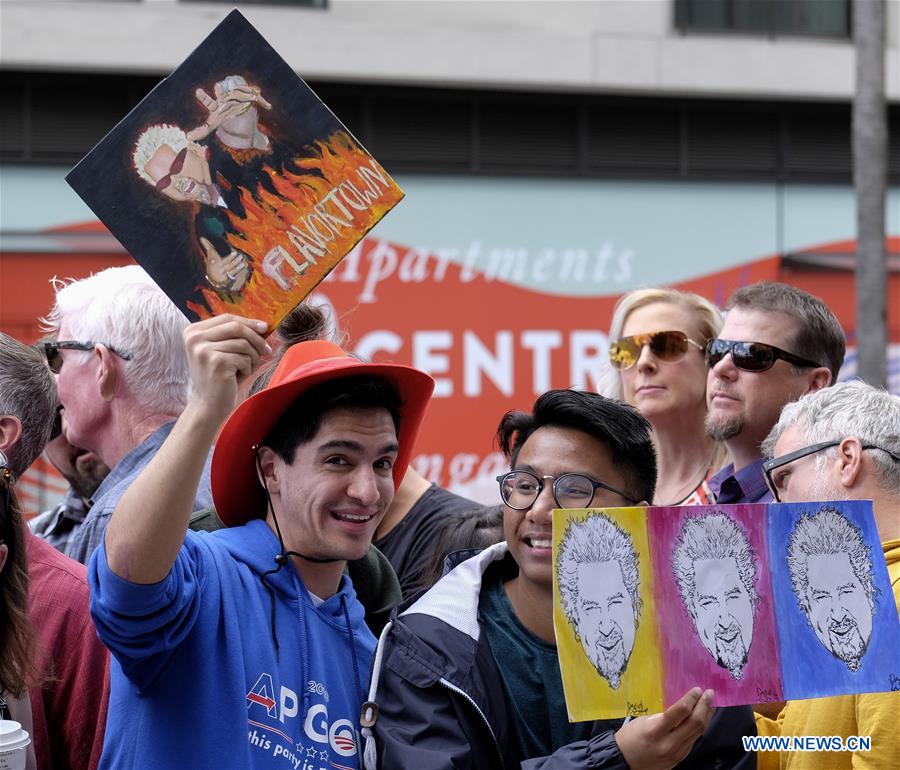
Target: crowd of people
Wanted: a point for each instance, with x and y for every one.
(246, 571)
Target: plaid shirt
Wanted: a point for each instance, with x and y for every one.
(57, 525)
(748, 485)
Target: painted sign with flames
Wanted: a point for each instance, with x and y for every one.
(232, 184)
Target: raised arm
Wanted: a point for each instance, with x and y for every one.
(148, 525)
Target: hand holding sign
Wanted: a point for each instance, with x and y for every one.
(661, 741)
(222, 352)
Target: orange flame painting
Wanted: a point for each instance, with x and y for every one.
(232, 184)
(294, 239)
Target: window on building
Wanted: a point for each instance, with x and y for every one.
(823, 18)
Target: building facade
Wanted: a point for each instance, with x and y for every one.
(554, 155)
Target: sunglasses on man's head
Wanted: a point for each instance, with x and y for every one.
(667, 346)
(751, 356)
(174, 169)
(55, 359)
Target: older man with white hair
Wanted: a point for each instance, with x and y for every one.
(123, 380)
(840, 443)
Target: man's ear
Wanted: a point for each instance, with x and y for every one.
(4, 552)
(266, 464)
(10, 432)
(850, 460)
(107, 373)
(643, 504)
(818, 378)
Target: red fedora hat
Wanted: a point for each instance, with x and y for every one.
(237, 493)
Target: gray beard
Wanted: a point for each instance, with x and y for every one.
(723, 428)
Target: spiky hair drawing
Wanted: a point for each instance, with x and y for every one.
(589, 541)
(712, 536)
(824, 533)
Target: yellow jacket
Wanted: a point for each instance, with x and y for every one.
(873, 714)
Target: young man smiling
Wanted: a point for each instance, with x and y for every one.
(468, 675)
(246, 647)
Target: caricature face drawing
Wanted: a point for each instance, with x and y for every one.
(715, 572)
(839, 608)
(598, 574)
(722, 612)
(606, 618)
(831, 573)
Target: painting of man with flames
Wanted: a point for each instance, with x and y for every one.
(232, 184)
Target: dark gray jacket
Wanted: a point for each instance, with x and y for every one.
(441, 702)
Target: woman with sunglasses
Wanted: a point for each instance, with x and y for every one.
(656, 351)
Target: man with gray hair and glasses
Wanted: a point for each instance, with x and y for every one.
(123, 380)
(841, 443)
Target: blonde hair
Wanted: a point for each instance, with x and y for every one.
(707, 320)
(151, 140)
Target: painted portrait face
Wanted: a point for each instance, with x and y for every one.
(840, 612)
(722, 612)
(606, 618)
(182, 176)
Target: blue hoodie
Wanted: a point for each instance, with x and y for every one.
(195, 680)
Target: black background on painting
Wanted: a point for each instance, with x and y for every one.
(159, 232)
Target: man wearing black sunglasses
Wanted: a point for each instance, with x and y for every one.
(842, 443)
(123, 379)
(777, 343)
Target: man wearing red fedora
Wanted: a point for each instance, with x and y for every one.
(246, 647)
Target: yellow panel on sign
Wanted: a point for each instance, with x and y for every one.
(603, 613)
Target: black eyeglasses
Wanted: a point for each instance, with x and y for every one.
(55, 359)
(668, 346)
(776, 481)
(751, 356)
(520, 489)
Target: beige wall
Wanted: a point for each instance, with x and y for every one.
(625, 46)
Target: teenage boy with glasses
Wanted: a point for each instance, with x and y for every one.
(467, 675)
(842, 443)
(777, 343)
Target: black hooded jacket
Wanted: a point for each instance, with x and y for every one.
(441, 701)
